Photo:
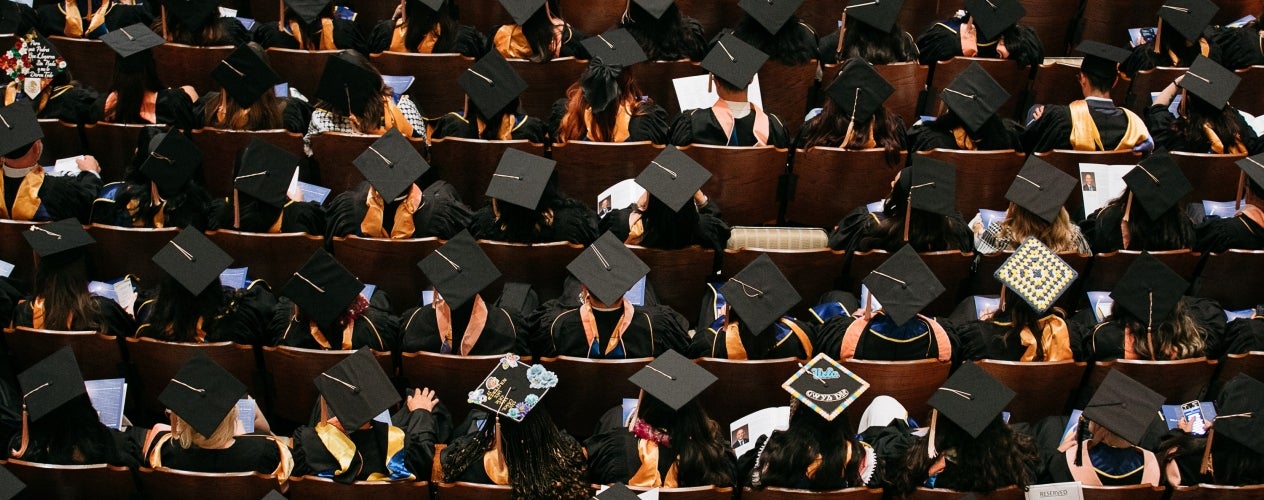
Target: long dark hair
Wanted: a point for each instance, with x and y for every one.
(783, 46)
(62, 281)
(875, 45)
(668, 229)
(928, 231)
(176, 311)
(788, 453)
(421, 21)
(573, 127)
(134, 76)
(266, 113)
(374, 116)
(521, 224)
(665, 37)
(830, 128)
(702, 450)
(543, 461)
(71, 435)
(311, 32)
(538, 31)
(1170, 230)
(210, 33)
(1199, 114)
(999, 457)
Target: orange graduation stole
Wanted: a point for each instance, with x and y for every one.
(1085, 136)
(28, 201)
(400, 34)
(74, 21)
(590, 326)
(724, 115)
(443, 317)
(403, 227)
(326, 41)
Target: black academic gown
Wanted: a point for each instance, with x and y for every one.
(777, 341)
(244, 319)
(115, 320)
(710, 232)
(882, 340)
(500, 334)
(793, 44)
(52, 21)
(259, 217)
(173, 107)
(1105, 341)
(905, 50)
(686, 43)
(422, 429)
(987, 339)
(648, 122)
(1144, 58)
(1053, 129)
(699, 126)
(375, 328)
(526, 128)
(467, 42)
(859, 231)
(1114, 466)
(441, 214)
(60, 197)
(17, 18)
(995, 134)
(1101, 229)
(559, 331)
(942, 42)
(249, 453)
(347, 35)
(1239, 47)
(1220, 235)
(572, 43)
(1162, 126)
(296, 114)
(71, 103)
(613, 456)
(190, 207)
(572, 221)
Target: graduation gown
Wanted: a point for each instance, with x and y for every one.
(173, 106)
(792, 45)
(1056, 125)
(1162, 126)
(728, 338)
(126, 451)
(130, 205)
(17, 18)
(859, 231)
(1102, 464)
(346, 35)
(249, 453)
(375, 328)
(259, 217)
(943, 42)
(701, 126)
(401, 450)
(528, 128)
(843, 336)
(649, 332)
(1101, 228)
(614, 455)
(986, 339)
(1239, 47)
(647, 123)
(441, 213)
(115, 321)
(904, 51)
(510, 41)
(572, 221)
(390, 35)
(244, 319)
(1109, 340)
(688, 42)
(71, 103)
(52, 18)
(499, 334)
(478, 472)
(57, 198)
(948, 132)
(710, 232)
(1220, 235)
(296, 114)
(1144, 58)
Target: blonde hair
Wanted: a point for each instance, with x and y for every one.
(187, 437)
(1020, 224)
(1180, 337)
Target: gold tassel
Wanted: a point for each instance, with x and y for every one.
(931, 452)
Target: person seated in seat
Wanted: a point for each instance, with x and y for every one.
(921, 211)
(1236, 458)
(663, 216)
(1147, 216)
(1206, 123)
(1179, 38)
(323, 307)
(1245, 230)
(59, 298)
(199, 24)
(311, 25)
(526, 206)
(427, 27)
(853, 117)
(137, 95)
(43, 82)
(1036, 196)
(493, 110)
(540, 34)
(774, 30)
(158, 189)
(88, 18)
(606, 104)
(352, 98)
(17, 17)
(983, 30)
(761, 295)
(247, 98)
(663, 31)
(870, 32)
(28, 192)
(1239, 46)
(1094, 123)
(970, 121)
(733, 120)
(264, 200)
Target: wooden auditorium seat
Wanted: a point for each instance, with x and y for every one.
(180, 65)
(1069, 162)
(1052, 20)
(436, 75)
(450, 376)
(713, 16)
(468, 164)
(592, 18)
(953, 270)
(909, 80)
(319, 488)
(220, 148)
(302, 69)
(1006, 493)
(831, 182)
(1245, 98)
(290, 372)
(678, 277)
(785, 91)
(1148, 81)
(113, 145)
(484, 15)
(859, 493)
(586, 169)
(390, 265)
(1043, 388)
(909, 382)
(983, 177)
(170, 483)
(1106, 269)
(1130, 492)
(812, 272)
(123, 251)
(690, 493)
(587, 388)
(335, 154)
(1107, 21)
(1214, 176)
(99, 356)
(744, 180)
(745, 386)
(461, 490)
(1013, 78)
(1250, 363)
(155, 362)
(543, 265)
(98, 481)
(61, 140)
(1177, 381)
(546, 82)
(15, 250)
(91, 62)
(272, 257)
(655, 79)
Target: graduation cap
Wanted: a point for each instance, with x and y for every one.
(772, 14)
(513, 388)
(323, 289)
(673, 177)
(673, 379)
(1210, 81)
(993, 17)
(607, 268)
(20, 127)
(51, 383)
(859, 90)
(932, 185)
(825, 386)
(202, 393)
(615, 48)
(1124, 406)
(522, 10)
(171, 162)
(1253, 168)
(1149, 290)
(245, 75)
(1189, 17)
(56, 237)
(193, 260)
(1041, 188)
(1037, 274)
(760, 294)
(974, 96)
(274, 495)
(1158, 183)
(492, 84)
(266, 172)
(391, 164)
(1241, 407)
(1101, 59)
(459, 269)
(618, 491)
(308, 10)
(347, 85)
(655, 8)
(356, 389)
(10, 485)
(32, 63)
(904, 285)
(971, 398)
(733, 61)
(521, 178)
(192, 12)
(132, 40)
(880, 14)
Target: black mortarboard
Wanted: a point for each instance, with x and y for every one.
(1253, 166)
(323, 289)
(1149, 290)
(459, 269)
(492, 84)
(760, 294)
(308, 10)
(171, 162)
(522, 10)
(903, 284)
(132, 39)
(1241, 412)
(1158, 183)
(1189, 17)
(655, 8)
(391, 164)
(521, 178)
(1041, 188)
(434, 5)
(971, 398)
(513, 388)
(274, 495)
(825, 386)
(993, 17)
(615, 48)
(772, 14)
(52, 382)
(202, 393)
(1036, 274)
(356, 389)
(266, 172)
(673, 177)
(21, 127)
(347, 86)
(1101, 59)
(618, 491)
(880, 14)
(1124, 406)
(974, 96)
(859, 90)
(734, 61)
(245, 75)
(607, 268)
(193, 260)
(192, 12)
(932, 185)
(673, 379)
(10, 485)
(56, 237)
(1210, 81)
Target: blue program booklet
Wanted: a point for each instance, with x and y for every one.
(1243, 314)
(6, 269)
(281, 90)
(1222, 209)
(234, 277)
(427, 297)
(990, 216)
(108, 397)
(1102, 304)
(367, 292)
(985, 306)
(1172, 416)
(636, 295)
(629, 406)
(247, 22)
(312, 192)
(345, 13)
(399, 84)
(246, 414)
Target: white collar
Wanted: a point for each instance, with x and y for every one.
(15, 173)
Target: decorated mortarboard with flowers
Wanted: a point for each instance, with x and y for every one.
(513, 388)
(32, 63)
(825, 386)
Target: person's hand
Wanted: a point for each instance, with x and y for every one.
(399, 12)
(88, 163)
(1185, 425)
(969, 39)
(422, 399)
(1038, 112)
(699, 199)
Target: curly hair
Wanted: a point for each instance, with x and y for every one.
(1059, 235)
(703, 456)
(543, 461)
(998, 458)
(787, 454)
(1177, 337)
